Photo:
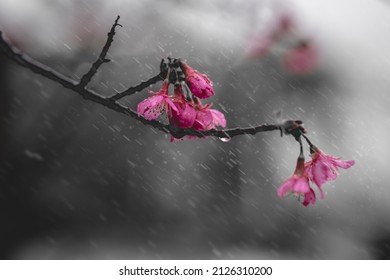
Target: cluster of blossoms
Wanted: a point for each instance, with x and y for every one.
(299, 55)
(320, 169)
(184, 108)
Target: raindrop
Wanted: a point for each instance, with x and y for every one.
(225, 139)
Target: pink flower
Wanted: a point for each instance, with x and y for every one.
(301, 60)
(218, 118)
(152, 107)
(261, 44)
(193, 114)
(185, 115)
(207, 118)
(298, 183)
(204, 119)
(199, 84)
(324, 168)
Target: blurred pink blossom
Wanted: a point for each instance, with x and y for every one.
(324, 168)
(261, 44)
(298, 183)
(298, 54)
(185, 114)
(300, 60)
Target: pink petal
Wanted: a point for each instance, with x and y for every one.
(170, 104)
(218, 118)
(153, 92)
(343, 163)
(300, 60)
(310, 197)
(259, 46)
(203, 121)
(308, 171)
(199, 84)
(301, 185)
(153, 113)
(185, 116)
(188, 116)
(286, 187)
(163, 90)
(322, 172)
(141, 107)
(149, 107)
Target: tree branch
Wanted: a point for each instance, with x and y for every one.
(112, 102)
(41, 69)
(137, 88)
(223, 133)
(86, 78)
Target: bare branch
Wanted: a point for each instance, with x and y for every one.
(86, 78)
(223, 133)
(112, 102)
(37, 67)
(139, 87)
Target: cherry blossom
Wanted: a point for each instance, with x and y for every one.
(199, 84)
(300, 60)
(152, 107)
(324, 168)
(298, 184)
(261, 44)
(185, 115)
(207, 118)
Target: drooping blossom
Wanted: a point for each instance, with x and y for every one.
(198, 83)
(204, 118)
(184, 110)
(218, 118)
(300, 60)
(207, 118)
(185, 115)
(324, 168)
(283, 38)
(262, 43)
(298, 184)
(152, 107)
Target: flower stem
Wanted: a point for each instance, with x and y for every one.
(301, 155)
(311, 145)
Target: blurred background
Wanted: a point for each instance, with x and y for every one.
(79, 181)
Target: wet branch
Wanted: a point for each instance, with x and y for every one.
(86, 78)
(113, 101)
(141, 86)
(223, 133)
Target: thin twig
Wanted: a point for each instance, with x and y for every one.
(86, 78)
(137, 88)
(37, 67)
(112, 102)
(223, 133)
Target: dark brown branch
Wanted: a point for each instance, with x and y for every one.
(86, 78)
(112, 102)
(37, 67)
(29, 63)
(139, 87)
(224, 133)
